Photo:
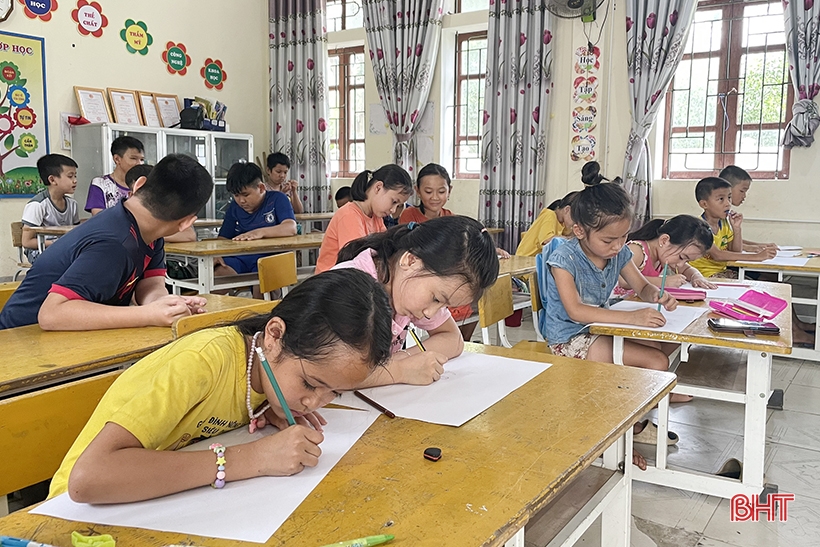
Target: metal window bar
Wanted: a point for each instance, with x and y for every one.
(343, 14)
(346, 140)
(731, 94)
(469, 107)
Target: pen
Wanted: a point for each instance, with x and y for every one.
(416, 340)
(374, 404)
(279, 395)
(7, 541)
(363, 542)
(663, 284)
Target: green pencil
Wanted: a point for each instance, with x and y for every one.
(663, 284)
(273, 382)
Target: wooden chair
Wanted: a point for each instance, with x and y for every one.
(38, 428)
(6, 290)
(193, 323)
(277, 272)
(494, 306)
(17, 242)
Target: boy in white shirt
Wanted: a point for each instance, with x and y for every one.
(52, 206)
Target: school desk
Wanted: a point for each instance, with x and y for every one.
(204, 252)
(33, 358)
(516, 265)
(808, 294)
(759, 352)
(42, 231)
(496, 473)
(307, 220)
(6, 290)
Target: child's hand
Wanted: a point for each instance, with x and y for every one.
(249, 236)
(164, 311)
(735, 219)
(666, 300)
(422, 368)
(701, 282)
(288, 452)
(270, 417)
(766, 253)
(196, 304)
(501, 253)
(647, 317)
(675, 280)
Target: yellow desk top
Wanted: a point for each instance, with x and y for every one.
(516, 265)
(32, 356)
(497, 470)
(227, 247)
(698, 331)
(306, 217)
(812, 266)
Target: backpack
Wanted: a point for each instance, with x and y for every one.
(191, 118)
(541, 271)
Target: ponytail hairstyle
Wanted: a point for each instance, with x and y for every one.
(596, 207)
(344, 306)
(393, 177)
(683, 230)
(565, 201)
(431, 169)
(447, 246)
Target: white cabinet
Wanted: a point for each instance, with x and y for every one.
(216, 151)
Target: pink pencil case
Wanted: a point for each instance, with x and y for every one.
(687, 294)
(751, 306)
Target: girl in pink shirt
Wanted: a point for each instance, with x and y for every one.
(447, 261)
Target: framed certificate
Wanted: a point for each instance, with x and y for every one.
(93, 104)
(125, 107)
(149, 109)
(168, 107)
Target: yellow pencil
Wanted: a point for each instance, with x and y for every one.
(416, 339)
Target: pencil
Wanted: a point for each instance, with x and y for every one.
(279, 395)
(663, 284)
(374, 404)
(416, 340)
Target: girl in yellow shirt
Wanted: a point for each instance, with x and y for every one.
(553, 221)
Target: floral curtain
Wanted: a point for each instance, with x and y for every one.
(403, 37)
(298, 106)
(516, 117)
(656, 33)
(802, 19)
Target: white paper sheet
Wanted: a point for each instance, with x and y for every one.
(780, 261)
(788, 254)
(725, 291)
(471, 384)
(250, 510)
(790, 247)
(676, 321)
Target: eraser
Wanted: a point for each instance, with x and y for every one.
(433, 454)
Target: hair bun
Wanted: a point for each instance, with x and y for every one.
(591, 174)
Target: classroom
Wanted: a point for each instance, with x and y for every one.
(460, 266)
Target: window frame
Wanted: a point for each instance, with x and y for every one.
(344, 88)
(344, 6)
(458, 138)
(726, 127)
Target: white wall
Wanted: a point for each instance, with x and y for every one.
(238, 36)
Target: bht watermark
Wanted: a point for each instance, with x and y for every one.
(745, 507)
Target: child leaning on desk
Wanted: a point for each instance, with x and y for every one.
(555, 220)
(327, 335)
(446, 261)
(254, 213)
(374, 194)
(581, 275)
(89, 277)
(52, 206)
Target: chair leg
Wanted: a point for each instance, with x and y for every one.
(502, 334)
(485, 336)
(538, 335)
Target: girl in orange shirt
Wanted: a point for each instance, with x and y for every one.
(374, 194)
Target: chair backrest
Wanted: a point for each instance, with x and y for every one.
(17, 234)
(541, 279)
(193, 323)
(496, 303)
(41, 426)
(276, 272)
(6, 290)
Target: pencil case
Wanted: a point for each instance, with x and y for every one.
(690, 295)
(751, 306)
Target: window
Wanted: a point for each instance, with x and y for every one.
(344, 14)
(730, 99)
(346, 126)
(471, 5)
(471, 66)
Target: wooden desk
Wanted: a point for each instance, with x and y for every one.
(306, 221)
(754, 398)
(33, 358)
(208, 223)
(811, 295)
(313, 217)
(203, 252)
(516, 265)
(497, 470)
(42, 231)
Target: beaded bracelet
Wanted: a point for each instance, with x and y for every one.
(219, 450)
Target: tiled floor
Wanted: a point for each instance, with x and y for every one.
(711, 432)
